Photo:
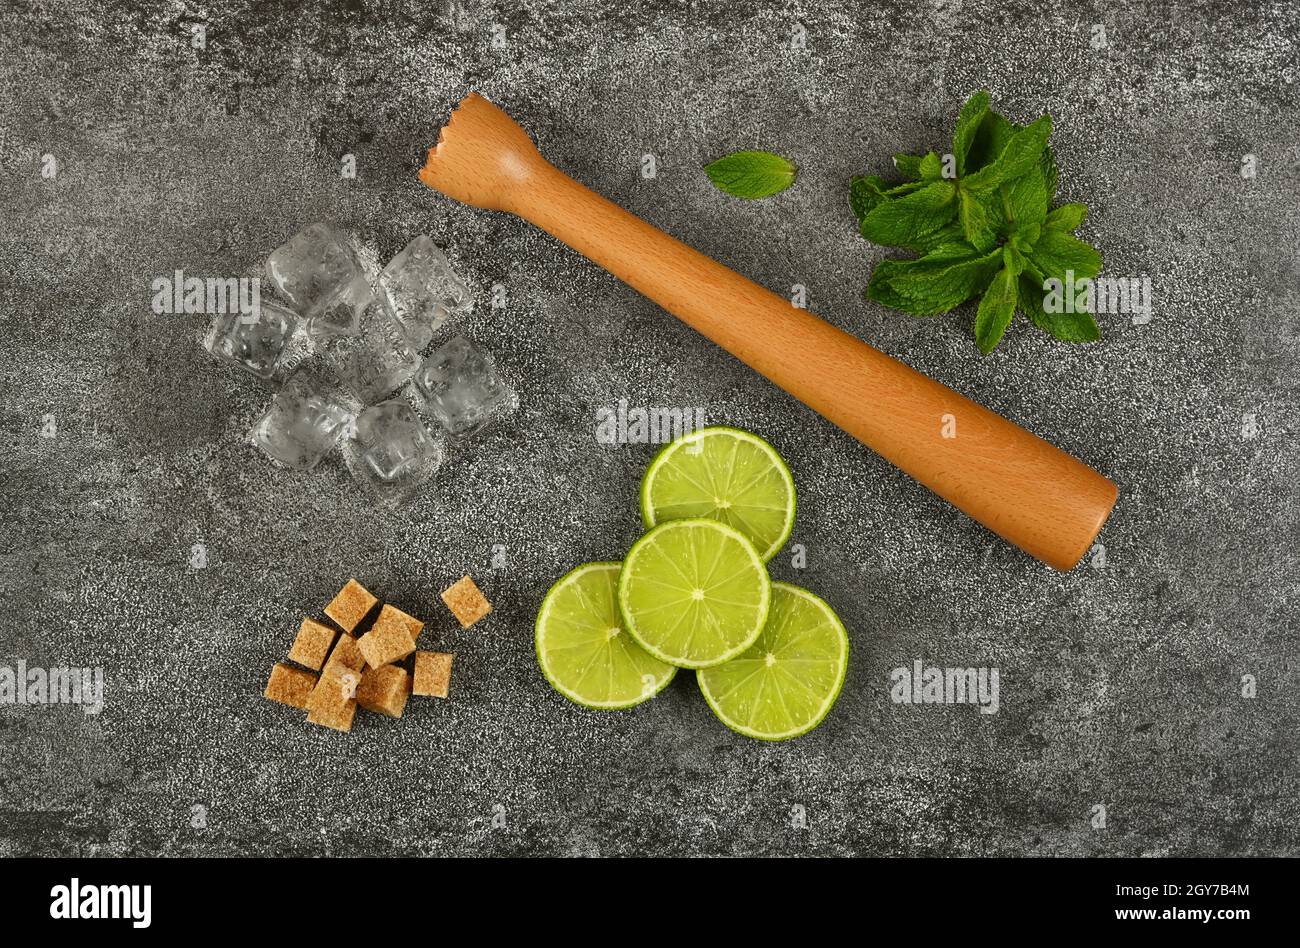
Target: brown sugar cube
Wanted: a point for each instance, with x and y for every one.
(312, 644)
(350, 606)
(346, 654)
(336, 716)
(391, 614)
(465, 601)
(289, 685)
(332, 702)
(432, 674)
(384, 690)
(389, 639)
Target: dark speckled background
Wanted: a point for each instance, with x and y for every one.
(1121, 682)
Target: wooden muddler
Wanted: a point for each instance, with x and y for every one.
(1025, 490)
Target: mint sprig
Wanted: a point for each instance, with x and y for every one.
(989, 232)
(751, 174)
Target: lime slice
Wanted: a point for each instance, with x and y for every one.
(724, 474)
(790, 677)
(694, 593)
(583, 649)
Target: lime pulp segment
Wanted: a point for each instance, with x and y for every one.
(787, 681)
(583, 648)
(694, 593)
(724, 474)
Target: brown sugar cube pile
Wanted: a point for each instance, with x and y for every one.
(346, 654)
(312, 644)
(466, 602)
(332, 702)
(390, 639)
(384, 690)
(289, 685)
(351, 605)
(432, 674)
(360, 671)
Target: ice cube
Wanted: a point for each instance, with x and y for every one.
(422, 290)
(391, 452)
(342, 315)
(459, 386)
(394, 438)
(378, 359)
(253, 341)
(312, 268)
(304, 422)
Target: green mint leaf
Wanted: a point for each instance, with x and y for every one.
(969, 120)
(1068, 327)
(990, 139)
(932, 167)
(1048, 164)
(1067, 217)
(1057, 253)
(948, 234)
(900, 222)
(1023, 150)
(937, 282)
(880, 290)
(909, 166)
(995, 310)
(906, 187)
(1026, 198)
(751, 174)
(1025, 236)
(865, 192)
(1013, 259)
(978, 220)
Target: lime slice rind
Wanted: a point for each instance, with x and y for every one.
(694, 593)
(726, 474)
(579, 657)
(771, 701)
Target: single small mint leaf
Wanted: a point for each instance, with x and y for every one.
(931, 167)
(1057, 253)
(1022, 151)
(1067, 217)
(990, 139)
(969, 120)
(751, 174)
(865, 192)
(1068, 327)
(978, 220)
(900, 222)
(995, 310)
(909, 166)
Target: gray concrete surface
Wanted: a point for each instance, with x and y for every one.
(1121, 682)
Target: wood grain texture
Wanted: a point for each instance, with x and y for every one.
(1025, 490)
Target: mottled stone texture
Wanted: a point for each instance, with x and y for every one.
(147, 538)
